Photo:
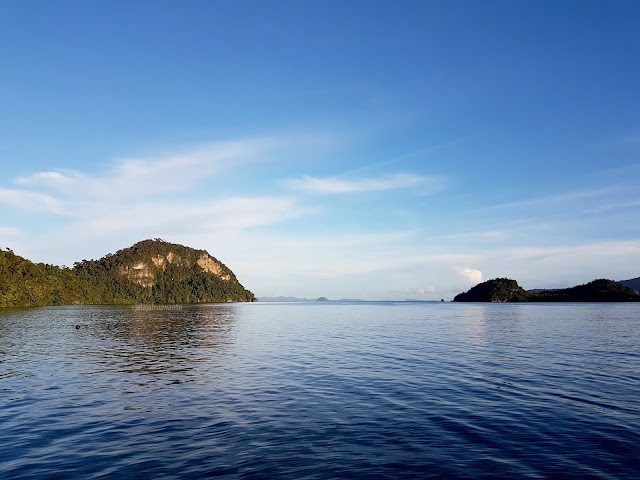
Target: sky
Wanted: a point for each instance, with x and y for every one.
(377, 150)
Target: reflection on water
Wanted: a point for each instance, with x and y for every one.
(476, 325)
(494, 325)
(102, 353)
(164, 345)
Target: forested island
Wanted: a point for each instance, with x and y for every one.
(151, 271)
(508, 290)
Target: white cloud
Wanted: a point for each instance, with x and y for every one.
(472, 275)
(155, 176)
(173, 196)
(132, 180)
(139, 178)
(219, 215)
(48, 179)
(337, 185)
(32, 201)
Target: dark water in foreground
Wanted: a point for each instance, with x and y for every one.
(319, 391)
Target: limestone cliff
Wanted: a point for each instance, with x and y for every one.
(143, 266)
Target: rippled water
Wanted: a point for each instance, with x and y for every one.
(321, 391)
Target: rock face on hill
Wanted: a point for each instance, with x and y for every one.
(507, 290)
(163, 272)
(145, 262)
(151, 271)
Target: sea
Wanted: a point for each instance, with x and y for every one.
(321, 390)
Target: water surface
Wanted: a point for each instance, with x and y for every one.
(319, 391)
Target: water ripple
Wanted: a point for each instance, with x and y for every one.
(321, 391)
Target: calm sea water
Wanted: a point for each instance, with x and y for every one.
(319, 391)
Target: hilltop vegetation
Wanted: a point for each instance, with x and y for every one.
(498, 290)
(601, 290)
(507, 290)
(24, 283)
(151, 271)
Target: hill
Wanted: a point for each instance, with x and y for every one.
(633, 283)
(151, 271)
(507, 290)
(601, 290)
(497, 290)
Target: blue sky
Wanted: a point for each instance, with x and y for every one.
(368, 149)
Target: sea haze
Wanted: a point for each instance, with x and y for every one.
(321, 390)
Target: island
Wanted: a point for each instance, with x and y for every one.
(151, 271)
(508, 290)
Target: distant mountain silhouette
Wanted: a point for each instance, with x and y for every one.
(633, 283)
(284, 299)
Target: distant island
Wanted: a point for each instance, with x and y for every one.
(301, 300)
(283, 298)
(151, 271)
(508, 290)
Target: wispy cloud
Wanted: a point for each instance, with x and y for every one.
(56, 180)
(209, 216)
(169, 194)
(335, 185)
(613, 206)
(152, 176)
(31, 201)
(549, 200)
